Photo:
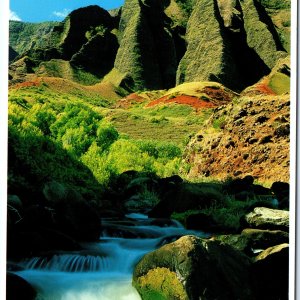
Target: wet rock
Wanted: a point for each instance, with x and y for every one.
(18, 288)
(191, 268)
(271, 270)
(202, 222)
(254, 241)
(266, 218)
(281, 191)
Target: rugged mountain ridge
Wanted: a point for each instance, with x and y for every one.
(155, 44)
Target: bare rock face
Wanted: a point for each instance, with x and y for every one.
(263, 217)
(192, 268)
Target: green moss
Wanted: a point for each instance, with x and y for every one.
(160, 284)
(280, 83)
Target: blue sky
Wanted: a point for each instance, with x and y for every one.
(52, 10)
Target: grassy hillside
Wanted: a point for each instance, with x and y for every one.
(25, 36)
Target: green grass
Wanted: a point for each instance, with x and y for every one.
(157, 124)
(63, 69)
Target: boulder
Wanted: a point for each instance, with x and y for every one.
(18, 288)
(271, 270)
(201, 221)
(253, 241)
(267, 218)
(187, 196)
(192, 268)
(54, 191)
(281, 191)
(75, 217)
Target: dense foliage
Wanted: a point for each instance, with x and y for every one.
(71, 142)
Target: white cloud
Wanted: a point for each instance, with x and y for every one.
(61, 14)
(13, 16)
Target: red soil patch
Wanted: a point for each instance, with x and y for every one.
(217, 95)
(262, 88)
(183, 99)
(26, 84)
(129, 101)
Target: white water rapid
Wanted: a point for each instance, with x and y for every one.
(103, 271)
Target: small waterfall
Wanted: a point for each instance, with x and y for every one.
(102, 271)
(68, 263)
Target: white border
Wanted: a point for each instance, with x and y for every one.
(294, 155)
(4, 16)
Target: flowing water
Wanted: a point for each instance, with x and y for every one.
(103, 271)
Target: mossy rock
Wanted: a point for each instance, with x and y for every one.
(196, 268)
(160, 284)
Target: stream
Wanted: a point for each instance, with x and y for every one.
(102, 271)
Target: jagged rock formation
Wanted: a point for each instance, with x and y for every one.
(225, 44)
(152, 44)
(78, 23)
(147, 51)
(98, 54)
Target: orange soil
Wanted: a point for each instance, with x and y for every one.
(183, 99)
(36, 82)
(264, 89)
(129, 101)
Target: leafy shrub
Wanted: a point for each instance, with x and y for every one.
(106, 135)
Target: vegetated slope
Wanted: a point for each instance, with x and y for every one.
(26, 36)
(247, 137)
(232, 42)
(157, 44)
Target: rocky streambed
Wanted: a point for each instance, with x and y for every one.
(166, 260)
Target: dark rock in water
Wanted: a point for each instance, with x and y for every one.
(203, 222)
(271, 270)
(76, 25)
(54, 191)
(78, 219)
(192, 268)
(38, 240)
(281, 191)
(263, 239)
(253, 241)
(73, 214)
(266, 218)
(186, 196)
(18, 288)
